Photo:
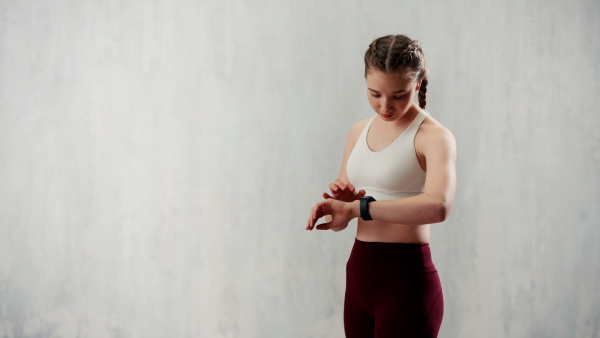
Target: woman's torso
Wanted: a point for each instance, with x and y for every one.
(386, 164)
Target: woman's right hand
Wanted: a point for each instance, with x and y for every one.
(343, 192)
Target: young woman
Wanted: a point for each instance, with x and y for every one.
(403, 163)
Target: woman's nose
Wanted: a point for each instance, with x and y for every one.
(384, 107)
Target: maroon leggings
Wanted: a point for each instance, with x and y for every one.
(392, 290)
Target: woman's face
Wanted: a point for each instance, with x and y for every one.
(390, 95)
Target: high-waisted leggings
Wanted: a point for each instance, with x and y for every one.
(392, 290)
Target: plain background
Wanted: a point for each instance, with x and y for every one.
(158, 161)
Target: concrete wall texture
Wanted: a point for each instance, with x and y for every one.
(158, 161)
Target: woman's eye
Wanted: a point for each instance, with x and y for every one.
(395, 97)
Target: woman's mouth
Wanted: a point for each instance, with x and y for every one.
(387, 116)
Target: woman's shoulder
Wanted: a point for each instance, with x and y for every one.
(355, 131)
(432, 129)
(362, 123)
(431, 125)
(359, 126)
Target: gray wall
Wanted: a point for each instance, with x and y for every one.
(158, 161)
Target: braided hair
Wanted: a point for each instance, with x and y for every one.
(402, 55)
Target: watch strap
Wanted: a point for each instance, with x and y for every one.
(364, 207)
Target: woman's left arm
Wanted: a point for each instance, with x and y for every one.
(435, 203)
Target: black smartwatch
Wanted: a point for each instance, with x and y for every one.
(364, 207)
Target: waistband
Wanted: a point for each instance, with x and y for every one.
(382, 257)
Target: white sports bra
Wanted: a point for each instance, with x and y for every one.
(391, 173)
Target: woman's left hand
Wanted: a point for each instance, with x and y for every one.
(341, 214)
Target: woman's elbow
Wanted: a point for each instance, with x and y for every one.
(442, 211)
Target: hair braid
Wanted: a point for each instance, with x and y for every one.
(388, 59)
(423, 93)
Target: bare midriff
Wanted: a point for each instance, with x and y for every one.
(380, 231)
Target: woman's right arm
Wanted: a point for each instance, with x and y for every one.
(353, 136)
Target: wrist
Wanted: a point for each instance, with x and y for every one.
(355, 208)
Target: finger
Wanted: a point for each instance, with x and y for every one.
(360, 194)
(333, 187)
(315, 215)
(340, 184)
(319, 210)
(326, 195)
(323, 226)
(350, 187)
